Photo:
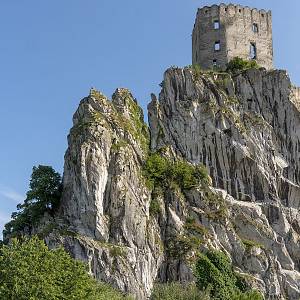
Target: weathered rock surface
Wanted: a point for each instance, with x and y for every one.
(244, 129)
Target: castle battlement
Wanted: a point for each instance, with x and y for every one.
(234, 8)
(222, 32)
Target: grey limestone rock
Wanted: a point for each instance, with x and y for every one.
(245, 129)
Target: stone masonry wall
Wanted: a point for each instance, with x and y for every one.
(235, 35)
(296, 97)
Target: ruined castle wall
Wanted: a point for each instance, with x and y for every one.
(205, 36)
(296, 97)
(235, 35)
(238, 22)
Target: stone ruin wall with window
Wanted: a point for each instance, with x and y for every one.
(296, 97)
(222, 32)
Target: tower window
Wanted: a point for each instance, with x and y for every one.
(253, 51)
(217, 46)
(255, 27)
(216, 24)
(214, 62)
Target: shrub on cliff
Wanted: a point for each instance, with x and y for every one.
(43, 196)
(178, 291)
(239, 64)
(160, 171)
(214, 271)
(29, 270)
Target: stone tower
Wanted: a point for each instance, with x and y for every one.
(222, 32)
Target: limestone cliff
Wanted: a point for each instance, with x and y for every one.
(244, 128)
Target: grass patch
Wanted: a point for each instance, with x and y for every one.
(249, 244)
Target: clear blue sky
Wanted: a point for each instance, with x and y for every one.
(52, 52)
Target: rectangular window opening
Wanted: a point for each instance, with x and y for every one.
(216, 24)
(214, 62)
(255, 28)
(253, 51)
(217, 46)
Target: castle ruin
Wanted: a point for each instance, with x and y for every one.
(222, 32)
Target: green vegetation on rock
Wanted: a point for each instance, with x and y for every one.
(238, 64)
(214, 271)
(29, 270)
(180, 246)
(249, 244)
(161, 171)
(178, 291)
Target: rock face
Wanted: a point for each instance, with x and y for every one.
(243, 128)
(105, 200)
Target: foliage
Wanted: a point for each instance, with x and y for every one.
(161, 171)
(29, 270)
(178, 291)
(196, 228)
(117, 146)
(249, 295)
(154, 208)
(249, 244)
(43, 196)
(239, 64)
(178, 247)
(196, 71)
(214, 270)
(208, 275)
(136, 125)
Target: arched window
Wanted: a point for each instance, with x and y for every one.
(253, 51)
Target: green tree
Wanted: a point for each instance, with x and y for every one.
(30, 271)
(43, 196)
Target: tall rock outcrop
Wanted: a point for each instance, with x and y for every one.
(244, 128)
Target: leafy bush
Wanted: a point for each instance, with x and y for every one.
(250, 295)
(214, 270)
(179, 246)
(239, 64)
(44, 196)
(29, 270)
(178, 291)
(208, 275)
(154, 208)
(161, 171)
